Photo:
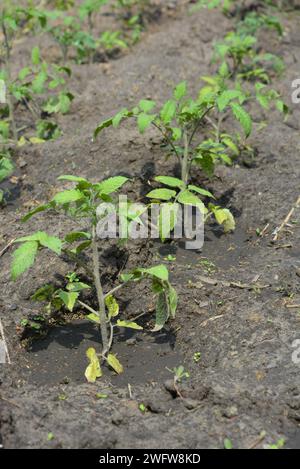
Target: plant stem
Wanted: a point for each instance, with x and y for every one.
(199, 122)
(115, 289)
(185, 159)
(111, 336)
(220, 120)
(90, 22)
(87, 307)
(8, 77)
(100, 295)
(167, 139)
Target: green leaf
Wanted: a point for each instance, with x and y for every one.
(176, 133)
(114, 363)
(69, 177)
(188, 198)
(129, 324)
(144, 121)
(81, 247)
(243, 117)
(93, 370)
(159, 271)
(228, 444)
(168, 111)
(127, 277)
(162, 312)
(23, 258)
(146, 105)
(64, 102)
(282, 107)
(76, 236)
(210, 80)
(161, 194)
(69, 299)
(167, 219)
(66, 197)
(44, 293)
(77, 286)
(180, 91)
(173, 300)
(51, 242)
(112, 184)
(6, 168)
(35, 55)
(170, 181)
(226, 97)
(36, 140)
(224, 70)
(112, 306)
(38, 82)
(120, 116)
(200, 191)
(231, 145)
(93, 317)
(39, 209)
(103, 125)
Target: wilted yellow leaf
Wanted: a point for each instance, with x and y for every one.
(114, 363)
(93, 370)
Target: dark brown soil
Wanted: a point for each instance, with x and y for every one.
(245, 381)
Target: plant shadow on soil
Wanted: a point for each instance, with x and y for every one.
(61, 356)
(11, 193)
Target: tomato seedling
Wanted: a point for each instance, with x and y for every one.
(81, 204)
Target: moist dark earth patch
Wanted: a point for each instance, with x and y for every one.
(61, 356)
(233, 293)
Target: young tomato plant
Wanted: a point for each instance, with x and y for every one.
(211, 4)
(13, 19)
(31, 88)
(239, 53)
(81, 204)
(232, 101)
(254, 21)
(88, 9)
(179, 121)
(132, 13)
(6, 169)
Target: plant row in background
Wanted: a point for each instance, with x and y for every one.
(194, 129)
(38, 92)
(196, 133)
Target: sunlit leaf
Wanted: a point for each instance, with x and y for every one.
(129, 324)
(161, 194)
(23, 258)
(69, 299)
(170, 181)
